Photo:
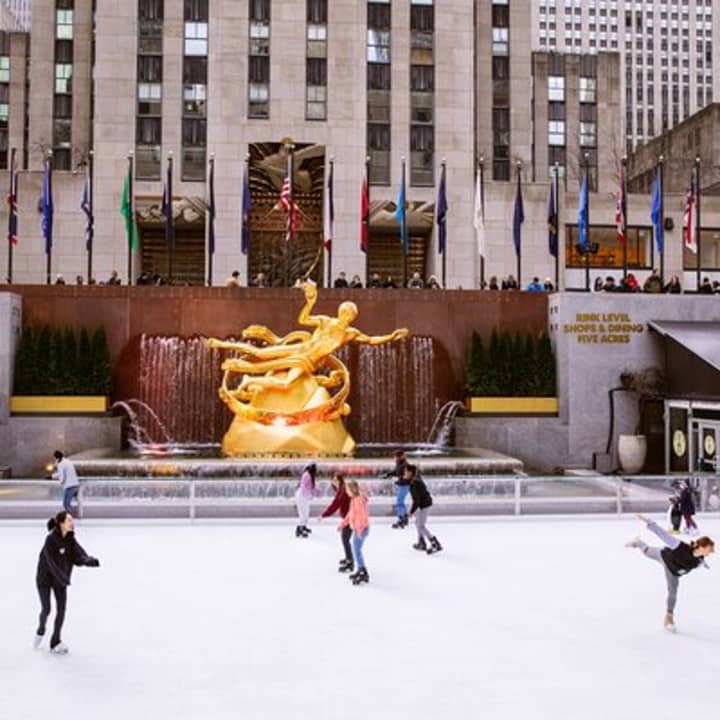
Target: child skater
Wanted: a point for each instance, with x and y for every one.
(402, 487)
(357, 519)
(421, 504)
(304, 495)
(677, 558)
(687, 508)
(341, 504)
(55, 564)
(674, 514)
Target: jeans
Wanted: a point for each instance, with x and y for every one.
(345, 535)
(69, 495)
(357, 543)
(401, 494)
(60, 604)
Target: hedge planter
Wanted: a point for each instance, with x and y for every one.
(513, 405)
(58, 404)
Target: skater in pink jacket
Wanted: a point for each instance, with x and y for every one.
(359, 521)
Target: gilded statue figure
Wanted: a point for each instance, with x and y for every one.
(293, 391)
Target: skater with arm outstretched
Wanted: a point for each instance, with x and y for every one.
(677, 558)
(357, 519)
(303, 497)
(402, 488)
(341, 504)
(60, 553)
(420, 508)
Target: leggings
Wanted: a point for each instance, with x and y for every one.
(60, 604)
(303, 508)
(421, 524)
(690, 522)
(345, 535)
(654, 553)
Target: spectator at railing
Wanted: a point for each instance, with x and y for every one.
(673, 285)
(341, 280)
(433, 283)
(599, 284)
(375, 281)
(609, 285)
(259, 281)
(653, 284)
(59, 279)
(716, 286)
(629, 284)
(79, 280)
(510, 283)
(548, 285)
(356, 282)
(493, 283)
(233, 280)
(535, 285)
(114, 279)
(416, 282)
(389, 282)
(706, 288)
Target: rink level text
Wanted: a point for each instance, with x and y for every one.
(603, 328)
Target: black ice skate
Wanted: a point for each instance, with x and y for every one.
(346, 566)
(300, 532)
(361, 576)
(306, 530)
(435, 546)
(402, 522)
(420, 544)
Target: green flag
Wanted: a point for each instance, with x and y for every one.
(126, 212)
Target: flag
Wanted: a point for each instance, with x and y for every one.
(48, 209)
(691, 216)
(87, 209)
(621, 211)
(401, 215)
(167, 209)
(290, 208)
(329, 211)
(518, 217)
(12, 204)
(441, 214)
(479, 215)
(127, 213)
(552, 222)
(246, 205)
(364, 215)
(656, 212)
(583, 215)
(211, 208)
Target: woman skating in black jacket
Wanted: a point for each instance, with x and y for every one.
(421, 504)
(55, 564)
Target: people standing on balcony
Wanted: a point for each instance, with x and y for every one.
(402, 488)
(535, 286)
(494, 283)
(341, 504)
(375, 281)
(359, 521)
(420, 509)
(653, 284)
(234, 279)
(356, 282)
(510, 283)
(67, 475)
(673, 285)
(416, 282)
(677, 558)
(610, 285)
(433, 283)
(389, 282)
(114, 279)
(341, 280)
(60, 553)
(303, 497)
(706, 288)
(548, 285)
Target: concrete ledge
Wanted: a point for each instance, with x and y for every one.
(57, 404)
(513, 405)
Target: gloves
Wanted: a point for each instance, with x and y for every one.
(93, 562)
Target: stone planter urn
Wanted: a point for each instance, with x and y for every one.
(632, 451)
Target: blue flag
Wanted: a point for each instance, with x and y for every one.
(441, 214)
(246, 205)
(400, 214)
(48, 209)
(518, 217)
(583, 229)
(552, 222)
(656, 212)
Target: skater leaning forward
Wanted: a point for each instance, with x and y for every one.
(402, 488)
(357, 519)
(303, 497)
(420, 509)
(677, 558)
(341, 504)
(59, 554)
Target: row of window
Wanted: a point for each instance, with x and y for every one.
(62, 99)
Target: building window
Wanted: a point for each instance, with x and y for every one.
(194, 107)
(378, 91)
(556, 88)
(556, 132)
(64, 24)
(316, 61)
(422, 91)
(587, 90)
(62, 100)
(259, 61)
(610, 251)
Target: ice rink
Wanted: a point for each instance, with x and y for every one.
(529, 618)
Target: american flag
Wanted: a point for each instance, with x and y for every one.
(12, 199)
(621, 211)
(691, 201)
(290, 208)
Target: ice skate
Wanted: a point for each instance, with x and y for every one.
(669, 623)
(636, 542)
(300, 532)
(398, 524)
(60, 649)
(435, 546)
(361, 577)
(346, 566)
(37, 641)
(306, 530)
(420, 544)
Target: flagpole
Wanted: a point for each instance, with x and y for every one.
(131, 202)
(170, 220)
(330, 248)
(588, 243)
(403, 230)
(91, 220)
(696, 229)
(556, 176)
(12, 214)
(366, 220)
(48, 237)
(518, 249)
(482, 213)
(661, 162)
(291, 199)
(444, 253)
(625, 214)
(211, 220)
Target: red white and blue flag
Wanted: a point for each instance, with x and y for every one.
(290, 208)
(691, 216)
(621, 211)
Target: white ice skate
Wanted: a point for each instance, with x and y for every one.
(60, 649)
(669, 623)
(636, 542)
(37, 641)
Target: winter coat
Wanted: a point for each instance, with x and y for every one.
(687, 504)
(357, 518)
(399, 472)
(421, 497)
(66, 474)
(680, 561)
(306, 489)
(57, 558)
(340, 502)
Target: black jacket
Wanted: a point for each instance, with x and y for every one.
(57, 558)
(399, 472)
(681, 560)
(687, 505)
(421, 497)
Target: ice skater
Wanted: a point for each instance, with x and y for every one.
(677, 558)
(357, 519)
(687, 508)
(303, 497)
(67, 475)
(60, 553)
(420, 509)
(402, 488)
(341, 503)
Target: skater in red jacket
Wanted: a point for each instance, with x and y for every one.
(341, 504)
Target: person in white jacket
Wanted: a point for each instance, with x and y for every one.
(65, 472)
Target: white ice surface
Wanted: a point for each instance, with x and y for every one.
(535, 618)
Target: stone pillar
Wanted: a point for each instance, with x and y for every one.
(18, 92)
(42, 82)
(82, 80)
(10, 324)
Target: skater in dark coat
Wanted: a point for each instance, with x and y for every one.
(677, 558)
(420, 508)
(687, 508)
(341, 504)
(402, 488)
(60, 553)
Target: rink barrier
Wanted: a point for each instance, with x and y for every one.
(490, 495)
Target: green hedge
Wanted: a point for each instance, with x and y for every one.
(60, 361)
(511, 365)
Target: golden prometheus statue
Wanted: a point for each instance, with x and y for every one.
(293, 392)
